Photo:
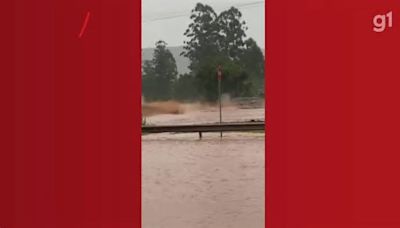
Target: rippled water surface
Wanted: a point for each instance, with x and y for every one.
(213, 182)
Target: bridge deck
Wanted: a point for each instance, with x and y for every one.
(223, 127)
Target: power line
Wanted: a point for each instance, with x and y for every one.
(249, 4)
(166, 18)
(178, 15)
(181, 14)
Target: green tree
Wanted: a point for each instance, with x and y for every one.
(202, 34)
(149, 80)
(253, 62)
(219, 40)
(159, 74)
(232, 31)
(185, 88)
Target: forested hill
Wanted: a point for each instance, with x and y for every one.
(181, 62)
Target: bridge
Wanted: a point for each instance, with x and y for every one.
(200, 128)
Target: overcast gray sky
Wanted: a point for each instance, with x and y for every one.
(168, 19)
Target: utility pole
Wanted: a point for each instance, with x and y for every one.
(219, 73)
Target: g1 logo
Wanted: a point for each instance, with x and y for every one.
(381, 21)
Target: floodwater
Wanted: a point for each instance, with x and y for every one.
(213, 182)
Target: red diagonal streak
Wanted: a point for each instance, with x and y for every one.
(85, 23)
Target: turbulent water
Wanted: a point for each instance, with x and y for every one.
(213, 182)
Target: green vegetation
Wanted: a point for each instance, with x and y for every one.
(212, 40)
(159, 74)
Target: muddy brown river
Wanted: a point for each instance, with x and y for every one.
(208, 183)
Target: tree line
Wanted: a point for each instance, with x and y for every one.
(212, 40)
